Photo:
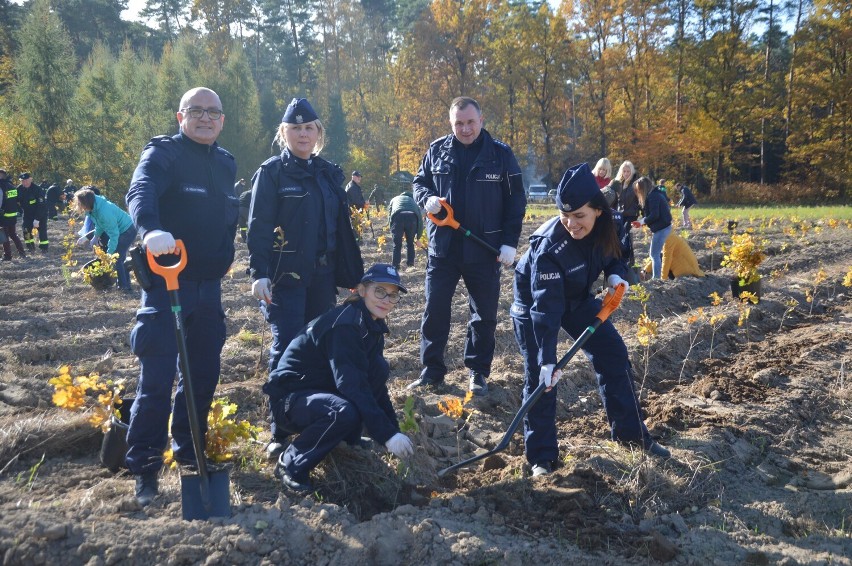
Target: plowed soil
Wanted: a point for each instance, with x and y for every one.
(758, 416)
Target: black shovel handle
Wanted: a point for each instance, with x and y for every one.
(170, 274)
(449, 220)
(610, 303)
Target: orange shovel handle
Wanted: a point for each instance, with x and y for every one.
(169, 272)
(448, 220)
(611, 302)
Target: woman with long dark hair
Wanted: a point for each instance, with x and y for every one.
(553, 290)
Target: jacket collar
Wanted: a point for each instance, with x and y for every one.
(201, 147)
(485, 154)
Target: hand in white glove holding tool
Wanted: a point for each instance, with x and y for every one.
(433, 205)
(261, 289)
(507, 256)
(400, 445)
(159, 242)
(614, 281)
(549, 377)
(84, 242)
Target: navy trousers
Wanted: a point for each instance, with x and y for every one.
(483, 288)
(321, 420)
(153, 341)
(293, 307)
(608, 354)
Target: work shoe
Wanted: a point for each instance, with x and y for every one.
(656, 449)
(146, 488)
(425, 381)
(541, 468)
(291, 483)
(477, 384)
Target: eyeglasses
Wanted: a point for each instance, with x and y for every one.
(197, 113)
(381, 293)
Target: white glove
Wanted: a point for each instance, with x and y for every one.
(614, 281)
(507, 256)
(400, 445)
(548, 377)
(433, 205)
(642, 221)
(84, 242)
(35, 223)
(159, 242)
(261, 290)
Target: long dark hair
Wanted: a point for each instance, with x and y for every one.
(642, 187)
(603, 233)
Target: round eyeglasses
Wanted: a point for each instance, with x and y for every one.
(197, 113)
(382, 293)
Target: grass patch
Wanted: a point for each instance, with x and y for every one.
(742, 213)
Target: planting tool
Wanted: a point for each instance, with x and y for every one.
(449, 220)
(610, 303)
(207, 493)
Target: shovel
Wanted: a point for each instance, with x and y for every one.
(205, 494)
(449, 220)
(610, 303)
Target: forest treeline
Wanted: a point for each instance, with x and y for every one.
(730, 96)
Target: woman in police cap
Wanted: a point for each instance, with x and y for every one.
(332, 380)
(553, 290)
(300, 241)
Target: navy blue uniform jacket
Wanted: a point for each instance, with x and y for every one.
(284, 221)
(341, 352)
(494, 196)
(554, 277)
(187, 189)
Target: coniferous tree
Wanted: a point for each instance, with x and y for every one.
(44, 92)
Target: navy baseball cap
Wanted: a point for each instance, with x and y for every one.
(356, 173)
(383, 273)
(299, 111)
(577, 187)
(23, 176)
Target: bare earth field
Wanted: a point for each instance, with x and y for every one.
(760, 426)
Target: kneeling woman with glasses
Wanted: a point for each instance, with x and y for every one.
(332, 380)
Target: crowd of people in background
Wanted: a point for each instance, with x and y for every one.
(295, 217)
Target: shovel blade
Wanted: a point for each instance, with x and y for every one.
(219, 492)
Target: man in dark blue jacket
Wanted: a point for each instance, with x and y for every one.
(183, 188)
(480, 178)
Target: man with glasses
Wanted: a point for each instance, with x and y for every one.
(183, 188)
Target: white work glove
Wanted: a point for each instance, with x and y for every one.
(159, 242)
(433, 205)
(261, 289)
(507, 256)
(614, 281)
(84, 242)
(548, 377)
(35, 224)
(400, 445)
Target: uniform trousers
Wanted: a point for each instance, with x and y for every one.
(608, 354)
(153, 341)
(483, 288)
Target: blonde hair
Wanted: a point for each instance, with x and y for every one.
(603, 168)
(621, 175)
(281, 139)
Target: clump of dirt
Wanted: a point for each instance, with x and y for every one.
(757, 411)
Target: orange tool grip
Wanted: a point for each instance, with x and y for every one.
(611, 302)
(448, 220)
(169, 272)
